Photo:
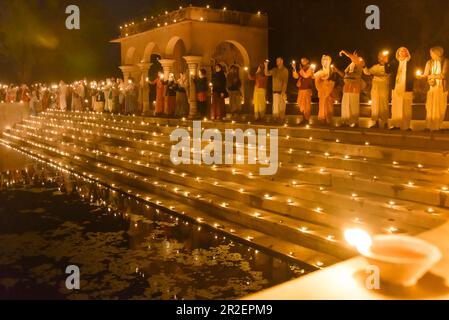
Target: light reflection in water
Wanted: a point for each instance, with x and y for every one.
(124, 247)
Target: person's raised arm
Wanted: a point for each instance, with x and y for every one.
(354, 58)
(268, 73)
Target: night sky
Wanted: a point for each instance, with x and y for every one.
(36, 46)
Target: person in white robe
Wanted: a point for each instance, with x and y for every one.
(436, 73)
(380, 90)
(62, 96)
(402, 95)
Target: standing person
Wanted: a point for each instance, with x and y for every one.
(436, 72)
(121, 98)
(305, 86)
(280, 82)
(63, 91)
(116, 97)
(325, 80)
(160, 93)
(219, 93)
(402, 96)
(182, 103)
(380, 89)
(131, 97)
(45, 99)
(110, 96)
(350, 105)
(170, 95)
(234, 85)
(260, 92)
(24, 94)
(99, 101)
(77, 102)
(34, 102)
(202, 89)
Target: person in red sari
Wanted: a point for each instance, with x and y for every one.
(219, 93)
(160, 94)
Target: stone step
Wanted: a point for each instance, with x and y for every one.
(401, 139)
(292, 149)
(409, 190)
(312, 197)
(367, 166)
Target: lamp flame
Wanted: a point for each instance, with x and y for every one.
(359, 238)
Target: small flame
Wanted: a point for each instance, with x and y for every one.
(359, 238)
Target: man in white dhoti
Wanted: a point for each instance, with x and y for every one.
(436, 73)
(280, 82)
(402, 96)
(62, 96)
(350, 105)
(380, 90)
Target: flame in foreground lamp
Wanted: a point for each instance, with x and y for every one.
(360, 239)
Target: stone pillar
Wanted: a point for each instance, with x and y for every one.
(145, 89)
(167, 66)
(193, 63)
(127, 70)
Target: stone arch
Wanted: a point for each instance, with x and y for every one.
(176, 50)
(230, 52)
(150, 49)
(130, 57)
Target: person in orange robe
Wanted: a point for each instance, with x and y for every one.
(325, 80)
(160, 94)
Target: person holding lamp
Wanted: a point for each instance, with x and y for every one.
(380, 90)
(436, 73)
(350, 105)
(305, 86)
(280, 82)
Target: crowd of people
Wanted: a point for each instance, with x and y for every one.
(389, 78)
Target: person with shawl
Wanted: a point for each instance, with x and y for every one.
(436, 73)
(403, 75)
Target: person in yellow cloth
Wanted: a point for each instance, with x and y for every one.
(380, 90)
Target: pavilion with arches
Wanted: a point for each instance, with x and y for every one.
(191, 38)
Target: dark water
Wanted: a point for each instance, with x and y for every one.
(124, 249)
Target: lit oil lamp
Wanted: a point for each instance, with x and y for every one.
(402, 260)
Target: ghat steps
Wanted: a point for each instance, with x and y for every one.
(328, 180)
